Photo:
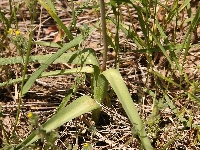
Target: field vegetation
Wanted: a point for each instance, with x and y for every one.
(107, 74)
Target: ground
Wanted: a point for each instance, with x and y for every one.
(114, 130)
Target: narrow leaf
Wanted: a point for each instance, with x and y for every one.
(114, 78)
(36, 74)
(75, 109)
(51, 11)
(51, 73)
(88, 55)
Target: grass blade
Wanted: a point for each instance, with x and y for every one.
(161, 47)
(174, 10)
(114, 78)
(51, 11)
(165, 78)
(88, 55)
(36, 74)
(51, 73)
(73, 110)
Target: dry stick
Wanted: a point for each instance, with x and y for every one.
(103, 23)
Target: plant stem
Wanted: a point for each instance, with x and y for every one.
(103, 23)
(28, 52)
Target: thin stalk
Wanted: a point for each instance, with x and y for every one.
(25, 68)
(23, 78)
(176, 22)
(117, 38)
(103, 23)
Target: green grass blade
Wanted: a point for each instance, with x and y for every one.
(65, 100)
(174, 10)
(4, 19)
(185, 3)
(165, 78)
(88, 55)
(53, 14)
(51, 73)
(36, 74)
(163, 5)
(80, 106)
(171, 105)
(141, 21)
(50, 44)
(162, 33)
(194, 96)
(171, 47)
(161, 48)
(114, 78)
(129, 33)
(51, 5)
(64, 58)
(195, 21)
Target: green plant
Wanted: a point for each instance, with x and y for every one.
(150, 43)
(85, 103)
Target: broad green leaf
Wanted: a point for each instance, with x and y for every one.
(36, 74)
(100, 89)
(85, 69)
(100, 86)
(80, 106)
(115, 79)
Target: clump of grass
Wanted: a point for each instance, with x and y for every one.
(152, 41)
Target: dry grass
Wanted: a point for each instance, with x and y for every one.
(114, 129)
